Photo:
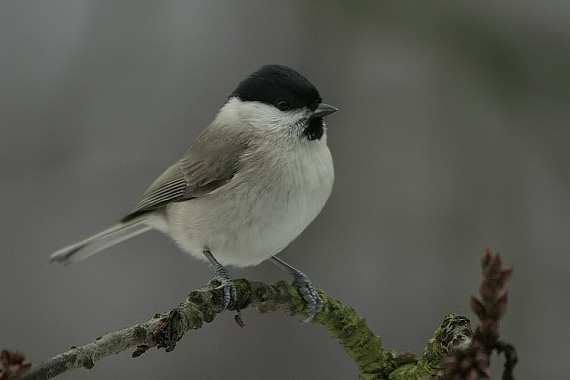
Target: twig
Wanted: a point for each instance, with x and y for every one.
(164, 330)
(469, 352)
(473, 362)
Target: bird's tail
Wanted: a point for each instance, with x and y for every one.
(105, 239)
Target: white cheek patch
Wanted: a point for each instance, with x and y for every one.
(263, 118)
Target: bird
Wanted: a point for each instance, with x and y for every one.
(251, 182)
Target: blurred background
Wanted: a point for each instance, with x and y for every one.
(452, 136)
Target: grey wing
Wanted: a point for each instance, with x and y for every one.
(210, 163)
(169, 187)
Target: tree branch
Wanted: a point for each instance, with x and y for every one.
(202, 305)
(466, 353)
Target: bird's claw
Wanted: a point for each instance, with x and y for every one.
(228, 286)
(313, 299)
(230, 292)
(226, 282)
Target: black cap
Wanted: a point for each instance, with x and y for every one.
(279, 86)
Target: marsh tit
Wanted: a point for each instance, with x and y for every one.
(248, 186)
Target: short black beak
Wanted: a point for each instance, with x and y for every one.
(324, 110)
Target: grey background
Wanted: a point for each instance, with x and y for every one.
(452, 136)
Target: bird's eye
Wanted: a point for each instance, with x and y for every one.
(283, 105)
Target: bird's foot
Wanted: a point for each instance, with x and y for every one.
(226, 282)
(227, 285)
(310, 295)
(305, 288)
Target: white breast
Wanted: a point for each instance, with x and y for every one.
(268, 203)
